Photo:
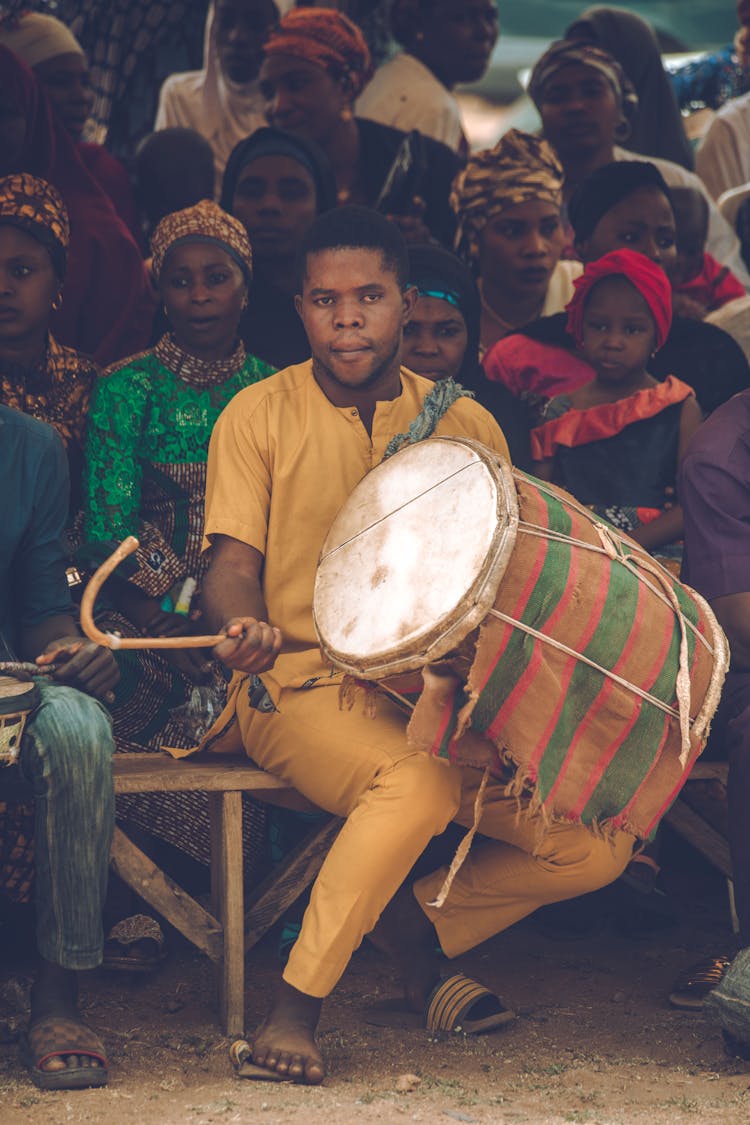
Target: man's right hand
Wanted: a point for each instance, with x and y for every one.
(251, 645)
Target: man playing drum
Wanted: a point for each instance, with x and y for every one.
(284, 457)
(65, 755)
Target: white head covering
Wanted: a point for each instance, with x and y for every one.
(35, 38)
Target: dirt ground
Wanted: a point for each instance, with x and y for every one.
(595, 1039)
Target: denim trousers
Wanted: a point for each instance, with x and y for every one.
(66, 757)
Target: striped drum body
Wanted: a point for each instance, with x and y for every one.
(593, 672)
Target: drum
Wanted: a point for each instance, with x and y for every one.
(547, 641)
(18, 698)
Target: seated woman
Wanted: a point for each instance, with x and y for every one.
(59, 63)
(222, 101)
(620, 206)
(588, 106)
(38, 376)
(316, 63)
(617, 441)
(633, 42)
(149, 426)
(508, 201)
(276, 183)
(441, 340)
(443, 45)
(108, 306)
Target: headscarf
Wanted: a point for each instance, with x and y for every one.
(658, 131)
(205, 222)
(649, 279)
(327, 38)
(35, 38)
(107, 303)
(270, 141)
(520, 168)
(605, 188)
(565, 53)
(437, 273)
(34, 206)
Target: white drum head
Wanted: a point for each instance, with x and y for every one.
(413, 560)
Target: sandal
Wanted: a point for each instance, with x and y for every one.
(458, 1004)
(694, 983)
(55, 1037)
(134, 945)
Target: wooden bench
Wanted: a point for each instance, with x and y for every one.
(694, 828)
(232, 927)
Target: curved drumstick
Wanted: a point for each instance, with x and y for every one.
(110, 640)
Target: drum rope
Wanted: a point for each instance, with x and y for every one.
(554, 643)
(533, 529)
(463, 848)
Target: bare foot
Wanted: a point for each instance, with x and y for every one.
(285, 1042)
(406, 934)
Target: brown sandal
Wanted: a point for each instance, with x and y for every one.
(694, 983)
(57, 1037)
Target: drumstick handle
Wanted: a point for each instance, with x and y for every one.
(110, 640)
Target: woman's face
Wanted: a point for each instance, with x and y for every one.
(435, 339)
(302, 97)
(644, 222)
(580, 111)
(275, 199)
(28, 287)
(67, 84)
(203, 290)
(519, 249)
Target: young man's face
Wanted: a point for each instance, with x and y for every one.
(354, 311)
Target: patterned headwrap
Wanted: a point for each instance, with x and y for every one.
(329, 39)
(205, 222)
(36, 207)
(569, 53)
(519, 169)
(649, 279)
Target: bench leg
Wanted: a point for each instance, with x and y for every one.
(225, 810)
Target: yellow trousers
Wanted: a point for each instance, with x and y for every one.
(395, 799)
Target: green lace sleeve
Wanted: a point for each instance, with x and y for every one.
(112, 476)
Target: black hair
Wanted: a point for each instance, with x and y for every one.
(606, 187)
(689, 203)
(174, 169)
(357, 228)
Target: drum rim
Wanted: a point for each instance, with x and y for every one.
(446, 634)
(25, 700)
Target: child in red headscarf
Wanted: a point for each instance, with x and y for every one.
(616, 441)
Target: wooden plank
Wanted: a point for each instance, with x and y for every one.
(707, 771)
(288, 880)
(225, 810)
(149, 773)
(701, 835)
(141, 873)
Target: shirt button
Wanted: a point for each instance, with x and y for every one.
(354, 413)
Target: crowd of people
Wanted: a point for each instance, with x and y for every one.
(209, 345)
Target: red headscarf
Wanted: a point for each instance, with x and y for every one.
(649, 279)
(327, 37)
(107, 305)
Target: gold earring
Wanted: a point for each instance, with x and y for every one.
(347, 114)
(419, 36)
(57, 303)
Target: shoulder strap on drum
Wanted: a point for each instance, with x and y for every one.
(437, 403)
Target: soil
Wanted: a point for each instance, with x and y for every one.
(595, 1039)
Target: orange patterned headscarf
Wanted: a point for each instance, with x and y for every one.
(36, 207)
(205, 222)
(329, 39)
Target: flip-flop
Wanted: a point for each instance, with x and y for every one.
(134, 945)
(57, 1037)
(240, 1053)
(448, 1008)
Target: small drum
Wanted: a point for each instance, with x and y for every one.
(547, 640)
(18, 698)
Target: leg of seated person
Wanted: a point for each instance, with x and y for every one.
(394, 799)
(735, 711)
(66, 755)
(524, 865)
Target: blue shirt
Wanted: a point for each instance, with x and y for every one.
(34, 496)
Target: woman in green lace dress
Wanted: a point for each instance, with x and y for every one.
(149, 426)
